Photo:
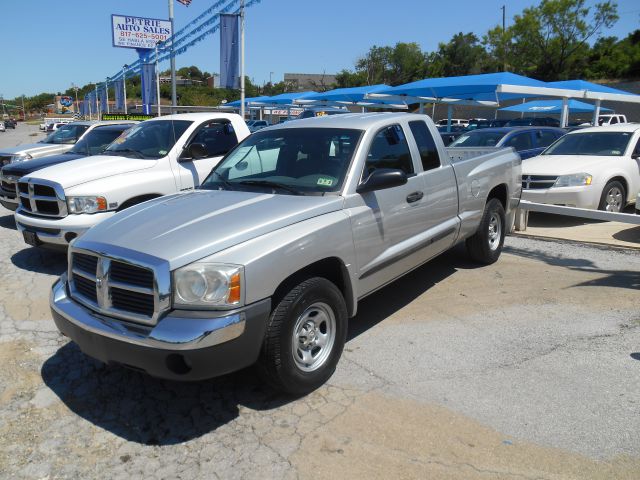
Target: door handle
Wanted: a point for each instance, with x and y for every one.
(414, 197)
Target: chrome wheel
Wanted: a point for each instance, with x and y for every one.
(313, 336)
(613, 200)
(495, 231)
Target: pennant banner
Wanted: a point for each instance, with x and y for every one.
(118, 87)
(148, 87)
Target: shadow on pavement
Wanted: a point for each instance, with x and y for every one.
(631, 235)
(635, 355)
(146, 410)
(395, 296)
(8, 222)
(40, 260)
(150, 411)
(548, 220)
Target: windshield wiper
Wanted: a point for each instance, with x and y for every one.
(267, 183)
(124, 150)
(225, 182)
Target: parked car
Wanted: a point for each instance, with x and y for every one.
(94, 142)
(638, 204)
(498, 122)
(454, 121)
(320, 112)
(267, 261)
(611, 119)
(475, 123)
(257, 125)
(448, 137)
(2, 127)
(596, 168)
(533, 121)
(10, 123)
(57, 142)
(169, 154)
(52, 127)
(527, 141)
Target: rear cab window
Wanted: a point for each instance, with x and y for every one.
(426, 145)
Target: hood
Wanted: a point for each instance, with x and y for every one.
(83, 170)
(562, 164)
(21, 169)
(30, 148)
(186, 227)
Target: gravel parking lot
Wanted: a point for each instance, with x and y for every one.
(529, 368)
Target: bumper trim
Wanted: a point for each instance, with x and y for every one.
(172, 333)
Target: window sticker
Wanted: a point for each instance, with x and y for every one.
(325, 182)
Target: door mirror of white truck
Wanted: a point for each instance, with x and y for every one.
(194, 151)
(382, 178)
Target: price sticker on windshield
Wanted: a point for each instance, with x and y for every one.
(325, 182)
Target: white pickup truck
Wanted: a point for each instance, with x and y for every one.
(267, 260)
(157, 157)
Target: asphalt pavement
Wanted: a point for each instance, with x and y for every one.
(528, 368)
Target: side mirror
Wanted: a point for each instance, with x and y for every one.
(382, 178)
(195, 151)
(635, 155)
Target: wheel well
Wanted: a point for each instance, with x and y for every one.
(135, 200)
(622, 181)
(332, 268)
(499, 192)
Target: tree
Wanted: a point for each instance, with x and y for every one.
(549, 41)
(462, 55)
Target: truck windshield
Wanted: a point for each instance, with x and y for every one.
(478, 139)
(303, 161)
(150, 139)
(96, 141)
(67, 134)
(591, 143)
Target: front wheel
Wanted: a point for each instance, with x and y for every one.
(613, 197)
(305, 337)
(486, 244)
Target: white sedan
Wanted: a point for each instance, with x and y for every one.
(596, 168)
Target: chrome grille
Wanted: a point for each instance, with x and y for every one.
(8, 183)
(43, 198)
(538, 182)
(116, 287)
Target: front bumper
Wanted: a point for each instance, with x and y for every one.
(184, 345)
(59, 231)
(580, 197)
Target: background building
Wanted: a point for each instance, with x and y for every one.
(301, 82)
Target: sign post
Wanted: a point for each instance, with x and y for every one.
(142, 34)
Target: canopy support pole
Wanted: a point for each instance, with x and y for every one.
(433, 111)
(449, 115)
(565, 112)
(596, 114)
(421, 109)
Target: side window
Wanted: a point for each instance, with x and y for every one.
(426, 145)
(218, 138)
(614, 119)
(520, 142)
(544, 138)
(389, 149)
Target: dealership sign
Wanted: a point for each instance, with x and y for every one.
(139, 32)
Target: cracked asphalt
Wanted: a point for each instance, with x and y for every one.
(526, 369)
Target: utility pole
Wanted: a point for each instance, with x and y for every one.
(242, 59)
(157, 81)
(97, 102)
(174, 96)
(124, 85)
(75, 89)
(24, 113)
(504, 43)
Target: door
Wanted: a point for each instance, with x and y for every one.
(387, 223)
(217, 137)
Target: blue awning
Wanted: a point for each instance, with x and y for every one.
(247, 101)
(347, 95)
(584, 85)
(482, 87)
(553, 107)
(284, 98)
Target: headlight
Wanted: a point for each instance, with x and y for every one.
(208, 285)
(86, 204)
(575, 180)
(20, 157)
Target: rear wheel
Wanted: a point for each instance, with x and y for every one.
(486, 244)
(305, 337)
(613, 197)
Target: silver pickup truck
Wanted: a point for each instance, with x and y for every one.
(267, 261)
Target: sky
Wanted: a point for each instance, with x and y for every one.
(48, 45)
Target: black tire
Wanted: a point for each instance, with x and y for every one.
(614, 197)
(486, 244)
(277, 364)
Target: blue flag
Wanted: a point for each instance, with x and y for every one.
(229, 50)
(119, 93)
(148, 87)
